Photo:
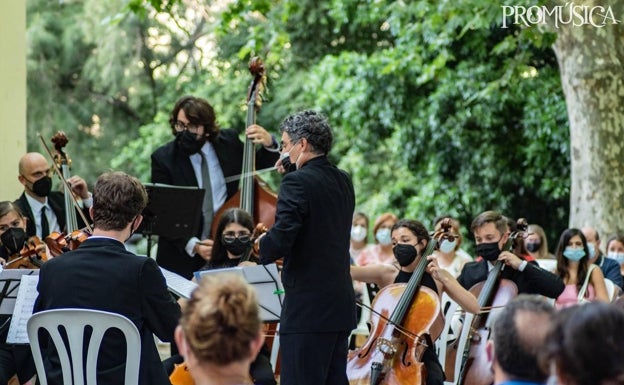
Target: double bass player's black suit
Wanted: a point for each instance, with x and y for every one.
(173, 167)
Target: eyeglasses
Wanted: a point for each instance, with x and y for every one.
(283, 145)
(190, 127)
(230, 236)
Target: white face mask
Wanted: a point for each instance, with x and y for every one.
(358, 233)
(447, 246)
(619, 257)
(383, 236)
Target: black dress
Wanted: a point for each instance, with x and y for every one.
(435, 373)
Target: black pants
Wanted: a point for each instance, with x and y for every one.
(314, 358)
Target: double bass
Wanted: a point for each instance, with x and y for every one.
(491, 294)
(253, 196)
(393, 352)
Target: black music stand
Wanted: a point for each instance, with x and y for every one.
(171, 211)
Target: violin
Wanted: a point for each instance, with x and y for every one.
(491, 294)
(32, 255)
(60, 243)
(254, 250)
(253, 195)
(393, 352)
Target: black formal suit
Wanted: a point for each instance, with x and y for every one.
(311, 232)
(56, 201)
(170, 166)
(533, 280)
(102, 275)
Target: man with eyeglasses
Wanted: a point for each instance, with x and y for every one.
(44, 208)
(311, 233)
(202, 152)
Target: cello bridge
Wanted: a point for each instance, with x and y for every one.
(386, 347)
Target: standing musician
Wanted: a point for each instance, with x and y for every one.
(102, 275)
(409, 240)
(44, 208)
(491, 231)
(179, 162)
(14, 359)
(311, 232)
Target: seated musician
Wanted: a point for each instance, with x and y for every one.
(102, 275)
(234, 243)
(409, 239)
(491, 232)
(44, 208)
(14, 359)
(220, 331)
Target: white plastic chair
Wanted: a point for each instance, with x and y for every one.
(613, 291)
(74, 321)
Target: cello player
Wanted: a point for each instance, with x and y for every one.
(179, 163)
(491, 231)
(409, 240)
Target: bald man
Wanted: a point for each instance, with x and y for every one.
(44, 208)
(610, 268)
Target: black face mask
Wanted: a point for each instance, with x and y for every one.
(287, 164)
(188, 142)
(488, 251)
(404, 253)
(13, 239)
(42, 187)
(237, 247)
(532, 247)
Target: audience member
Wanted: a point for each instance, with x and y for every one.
(220, 331)
(536, 243)
(359, 235)
(450, 256)
(615, 250)
(515, 343)
(610, 269)
(585, 345)
(583, 280)
(381, 251)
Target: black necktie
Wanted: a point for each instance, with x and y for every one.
(207, 208)
(45, 228)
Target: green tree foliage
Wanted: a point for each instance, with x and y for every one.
(436, 109)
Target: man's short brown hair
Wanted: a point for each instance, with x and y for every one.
(117, 199)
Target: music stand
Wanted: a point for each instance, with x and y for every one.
(266, 280)
(10, 280)
(171, 211)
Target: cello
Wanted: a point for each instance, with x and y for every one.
(253, 195)
(392, 354)
(493, 293)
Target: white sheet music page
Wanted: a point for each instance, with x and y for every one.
(23, 309)
(178, 284)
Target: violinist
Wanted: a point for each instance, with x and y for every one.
(14, 359)
(202, 152)
(409, 240)
(43, 207)
(491, 231)
(102, 275)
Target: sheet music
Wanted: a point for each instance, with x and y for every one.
(267, 282)
(178, 284)
(23, 309)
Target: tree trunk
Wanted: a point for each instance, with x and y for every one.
(591, 61)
